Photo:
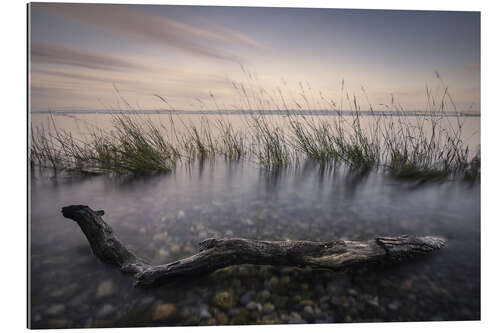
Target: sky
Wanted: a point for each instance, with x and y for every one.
(149, 57)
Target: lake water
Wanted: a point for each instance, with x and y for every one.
(163, 218)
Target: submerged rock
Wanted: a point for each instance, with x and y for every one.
(204, 313)
(373, 301)
(273, 282)
(59, 323)
(270, 320)
(254, 306)
(295, 318)
(222, 319)
(246, 297)
(175, 248)
(224, 299)
(268, 308)
(65, 291)
(162, 252)
(163, 236)
(104, 289)
(308, 309)
(406, 285)
(241, 318)
(393, 305)
(164, 312)
(263, 295)
(105, 311)
(55, 310)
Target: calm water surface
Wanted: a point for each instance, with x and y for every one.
(163, 218)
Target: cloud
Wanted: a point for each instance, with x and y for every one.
(84, 77)
(61, 55)
(133, 21)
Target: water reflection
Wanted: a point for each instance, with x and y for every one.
(163, 218)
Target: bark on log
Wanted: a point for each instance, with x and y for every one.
(218, 253)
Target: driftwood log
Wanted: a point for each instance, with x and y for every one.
(218, 253)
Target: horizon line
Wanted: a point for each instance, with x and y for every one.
(472, 113)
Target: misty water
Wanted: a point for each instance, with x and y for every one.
(164, 217)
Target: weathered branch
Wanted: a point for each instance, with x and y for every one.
(218, 253)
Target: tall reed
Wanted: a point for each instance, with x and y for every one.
(424, 147)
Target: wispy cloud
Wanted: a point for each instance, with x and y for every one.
(84, 77)
(138, 23)
(61, 55)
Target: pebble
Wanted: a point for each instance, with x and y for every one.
(147, 300)
(324, 299)
(180, 215)
(55, 310)
(222, 319)
(162, 252)
(268, 308)
(309, 309)
(307, 302)
(224, 299)
(59, 323)
(205, 314)
(406, 285)
(162, 236)
(254, 306)
(105, 311)
(269, 320)
(273, 282)
(104, 289)
(65, 291)
(263, 295)
(234, 312)
(373, 301)
(209, 322)
(393, 305)
(324, 320)
(295, 318)
(164, 312)
(285, 279)
(248, 222)
(246, 297)
(336, 300)
(78, 300)
(175, 248)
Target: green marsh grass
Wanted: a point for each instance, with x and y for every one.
(131, 147)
